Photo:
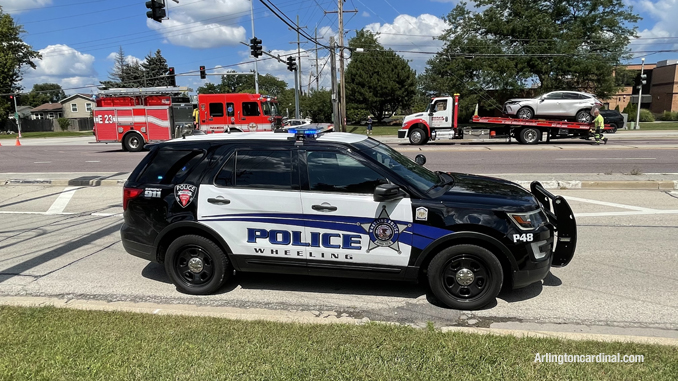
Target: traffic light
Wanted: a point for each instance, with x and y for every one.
(203, 75)
(291, 63)
(157, 10)
(642, 79)
(172, 78)
(255, 45)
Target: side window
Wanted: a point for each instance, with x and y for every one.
(225, 176)
(337, 172)
(216, 109)
(230, 109)
(74, 107)
(555, 96)
(262, 169)
(571, 96)
(440, 106)
(250, 109)
(170, 166)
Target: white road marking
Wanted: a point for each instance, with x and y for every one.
(93, 161)
(635, 213)
(612, 204)
(604, 158)
(62, 214)
(62, 201)
(156, 311)
(41, 162)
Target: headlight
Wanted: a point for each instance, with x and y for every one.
(528, 221)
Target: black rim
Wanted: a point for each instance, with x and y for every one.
(464, 264)
(191, 276)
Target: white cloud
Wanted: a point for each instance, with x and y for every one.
(365, 14)
(664, 34)
(128, 59)
(412, 34)
(63, 65)
(214, 23)
(19, 6)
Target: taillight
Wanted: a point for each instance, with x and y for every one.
(128, 194)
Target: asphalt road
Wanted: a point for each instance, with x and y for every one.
(623, 155)
(65, 243)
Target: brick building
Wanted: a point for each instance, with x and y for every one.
(660, 93)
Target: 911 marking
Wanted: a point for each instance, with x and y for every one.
(523, 237)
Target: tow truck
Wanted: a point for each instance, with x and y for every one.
(440, 121)
(138, 116)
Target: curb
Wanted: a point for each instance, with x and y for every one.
(303, 317)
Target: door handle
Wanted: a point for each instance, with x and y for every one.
(324, 208)
(219, 201)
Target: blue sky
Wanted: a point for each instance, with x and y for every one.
(78, 38)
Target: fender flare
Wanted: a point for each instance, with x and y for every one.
(414, 122)
(448, 239)
(188, 226)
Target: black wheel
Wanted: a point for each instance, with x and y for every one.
(613, 130)
(525, 113)
(465, 277)
(133, 142)
(418, 136)
(196, 265)
(529, 135)
(583, 116)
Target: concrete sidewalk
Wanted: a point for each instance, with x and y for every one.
(647, 181)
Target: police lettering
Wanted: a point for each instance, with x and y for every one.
(294, 238)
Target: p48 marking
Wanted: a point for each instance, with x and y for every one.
(529, 237)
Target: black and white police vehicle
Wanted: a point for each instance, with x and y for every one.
(341, 205)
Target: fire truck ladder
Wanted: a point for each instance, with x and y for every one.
(145, 91)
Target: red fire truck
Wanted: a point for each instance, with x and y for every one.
(135, 117)
(439, 121)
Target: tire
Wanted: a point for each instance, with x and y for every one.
(133, 142)
(614, 128)
(446, 271)
(529, 135)
(525, 113)
(203, 276)
(418, 136)
(583, 116)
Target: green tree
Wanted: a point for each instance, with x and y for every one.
(244, 83)
(15, 56)
(44, 93)
(377, 79)
(317, 105)
(513, 44)
(154, 69)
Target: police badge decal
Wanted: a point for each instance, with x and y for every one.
(384, 232)
(184, 194)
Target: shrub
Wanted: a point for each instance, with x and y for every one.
(646, 115)
(64, 123)
(668, 115)
(616, 108)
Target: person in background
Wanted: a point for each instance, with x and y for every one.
(369, 125)
(196, 116)
(598, 125)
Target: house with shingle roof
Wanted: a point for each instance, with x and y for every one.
(47, 111)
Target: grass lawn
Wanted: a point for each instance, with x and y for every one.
(61, 344)
(376, 130)
(659, 126)
(47, 134)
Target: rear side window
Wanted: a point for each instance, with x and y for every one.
(257, 169)
(170, 166)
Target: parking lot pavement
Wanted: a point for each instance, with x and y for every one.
(64, 242)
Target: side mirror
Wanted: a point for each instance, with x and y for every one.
(420, 159)
(387, 192)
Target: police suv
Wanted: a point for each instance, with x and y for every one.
(337, 204)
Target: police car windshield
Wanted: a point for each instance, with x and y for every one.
(418, 176)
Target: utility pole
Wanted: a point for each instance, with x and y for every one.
(297, 72)
(640, 93)
(256, 73)
(16, 115)
(342, 107)
(333, 69)
(317, 73)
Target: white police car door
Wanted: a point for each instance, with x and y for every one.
(345, 227)
(253, 198)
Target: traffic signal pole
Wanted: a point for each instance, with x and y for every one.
(640, 94)
(256, 73)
